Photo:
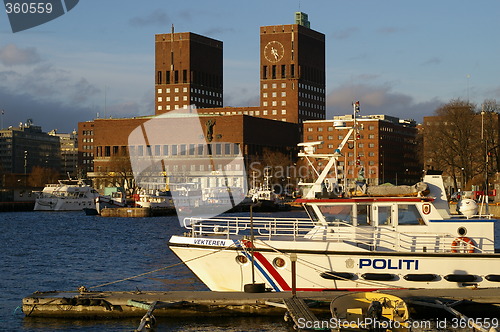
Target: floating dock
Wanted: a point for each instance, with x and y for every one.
(200, 303)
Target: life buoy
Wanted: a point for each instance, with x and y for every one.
(464, 243)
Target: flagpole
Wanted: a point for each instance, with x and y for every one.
(1, 124)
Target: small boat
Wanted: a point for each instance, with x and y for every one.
(367, 311)
(67, 195)
(158, 200)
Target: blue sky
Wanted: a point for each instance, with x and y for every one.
(400, 58)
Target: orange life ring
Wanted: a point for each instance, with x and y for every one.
(465, 243)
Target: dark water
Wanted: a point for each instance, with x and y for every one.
(61, 251)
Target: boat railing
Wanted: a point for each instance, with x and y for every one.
(382, 238)
(371, 238)
(263, 227)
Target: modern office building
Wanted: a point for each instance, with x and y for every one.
(69, 153)
(25, 147)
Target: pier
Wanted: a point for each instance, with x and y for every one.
(203, 303)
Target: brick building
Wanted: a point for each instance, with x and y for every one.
(188, 71)
(250, 135)
(292, 80)
(386, 147)
(292, 72)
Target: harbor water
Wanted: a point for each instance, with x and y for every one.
(44, 251)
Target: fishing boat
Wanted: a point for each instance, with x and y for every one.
(67, 195)
(356, 238)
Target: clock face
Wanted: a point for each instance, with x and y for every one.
(274, 51)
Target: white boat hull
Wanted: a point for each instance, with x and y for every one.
(60, 204)
(215, 262)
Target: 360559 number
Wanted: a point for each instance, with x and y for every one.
(28, 8)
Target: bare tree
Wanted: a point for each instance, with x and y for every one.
(452, 142)
(40, 176)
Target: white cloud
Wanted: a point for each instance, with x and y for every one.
(378, 100)
(11, 55)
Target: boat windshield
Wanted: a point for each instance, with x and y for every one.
(409, 215)
(337, 214)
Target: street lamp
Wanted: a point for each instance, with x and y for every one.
(25, 168)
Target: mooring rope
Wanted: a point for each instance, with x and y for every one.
(160, 269)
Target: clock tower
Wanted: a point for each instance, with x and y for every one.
(292, 72)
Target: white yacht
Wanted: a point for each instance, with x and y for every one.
(67, 195)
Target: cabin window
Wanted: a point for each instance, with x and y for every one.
(384, 215)
(409, 215)
(363, 215)
(337, 215)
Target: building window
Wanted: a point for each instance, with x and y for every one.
(264, 95)
(310, 129)
(264, 112)
(227, 148)
(320, 128)
(283, 94)
(283, 85)
(176, 76)
(174, 150)
(264, 103)
(165, 150)
(283, 112)
(292, 70)
(158, 78)
(264, 74)
(283, 71)
(273, 71)
(159, 90)
(157, 150)
(160, 99)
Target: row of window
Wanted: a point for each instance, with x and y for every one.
(312, 105)
(273, 85)
(274, 103)
(275, 71)
(193, 90)
(371, 127)
(311, 88)
(88, 140)
(171, 150)
(177, 76)
(88, 132)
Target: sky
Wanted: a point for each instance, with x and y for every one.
(399, 58)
